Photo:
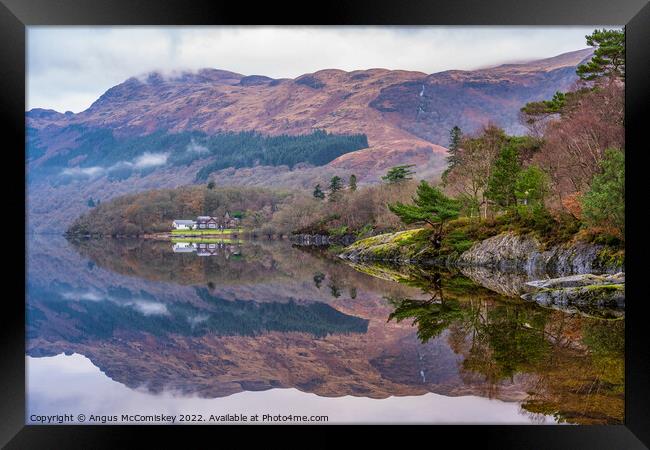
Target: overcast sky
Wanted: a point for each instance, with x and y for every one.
(69, 67)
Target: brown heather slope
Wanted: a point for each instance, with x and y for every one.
(405, 115)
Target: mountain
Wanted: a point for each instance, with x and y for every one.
(164, 131)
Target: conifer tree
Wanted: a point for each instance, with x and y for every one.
(398, 174)
(352, 182)
(318, 192)
(430, 206)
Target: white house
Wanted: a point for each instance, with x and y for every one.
(183, 224)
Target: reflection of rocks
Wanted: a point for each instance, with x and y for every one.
(602, 295)
(511, 284)
(571, 281)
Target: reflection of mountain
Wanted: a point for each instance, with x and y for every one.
(99, 317)
(142, 328)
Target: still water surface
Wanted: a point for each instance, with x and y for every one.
(144, 327)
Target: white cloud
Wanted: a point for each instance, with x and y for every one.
(91, 296)
(150, 160)
(70, 67)
(148, 308)
(194, 147)
(91, 172)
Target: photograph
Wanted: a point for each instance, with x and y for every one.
(406, 221)
(332, 224)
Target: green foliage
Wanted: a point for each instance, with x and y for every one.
(455, 137)
(458, 242)
(339, 231)
(318, 279)
(398, 174)
(531, 186)
(604, 203)
(318, 192)
(609, 57)
(430, 205)
(336, 185)
(247, 149)
(554, 106)
(501, 184)
(364, 231)
(431, 318)
(352, 182)
(453, 157)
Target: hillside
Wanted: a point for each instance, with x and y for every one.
(145, 123)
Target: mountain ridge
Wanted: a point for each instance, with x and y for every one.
(406, 116)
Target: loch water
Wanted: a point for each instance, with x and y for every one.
(125, 330)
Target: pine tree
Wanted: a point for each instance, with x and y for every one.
(453, 158)
(609, 57)
(431, 206)
(211, 185)
(336, 184)
(455, 136)
(352, 182)
(318, 192)
(398, 174)
(91, 203)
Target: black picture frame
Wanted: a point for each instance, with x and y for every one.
(15, 15)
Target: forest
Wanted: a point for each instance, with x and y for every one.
(102, 148)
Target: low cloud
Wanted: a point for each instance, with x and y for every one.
(91, 296)
(149, 308)
(83, 172)
(195, 320)
(143, 306)
(147, 160)
(195, 147)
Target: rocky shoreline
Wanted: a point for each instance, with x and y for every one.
(321, 240)
(577, 276)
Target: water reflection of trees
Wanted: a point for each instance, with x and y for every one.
(431, 316)
(571, 366)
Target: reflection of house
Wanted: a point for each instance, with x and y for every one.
(207, 249)
(212, 249)
(183, 224)
(184, 247)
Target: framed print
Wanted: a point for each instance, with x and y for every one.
(389, 216)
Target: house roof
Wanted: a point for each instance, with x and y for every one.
(206, 219)
(184, 222)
